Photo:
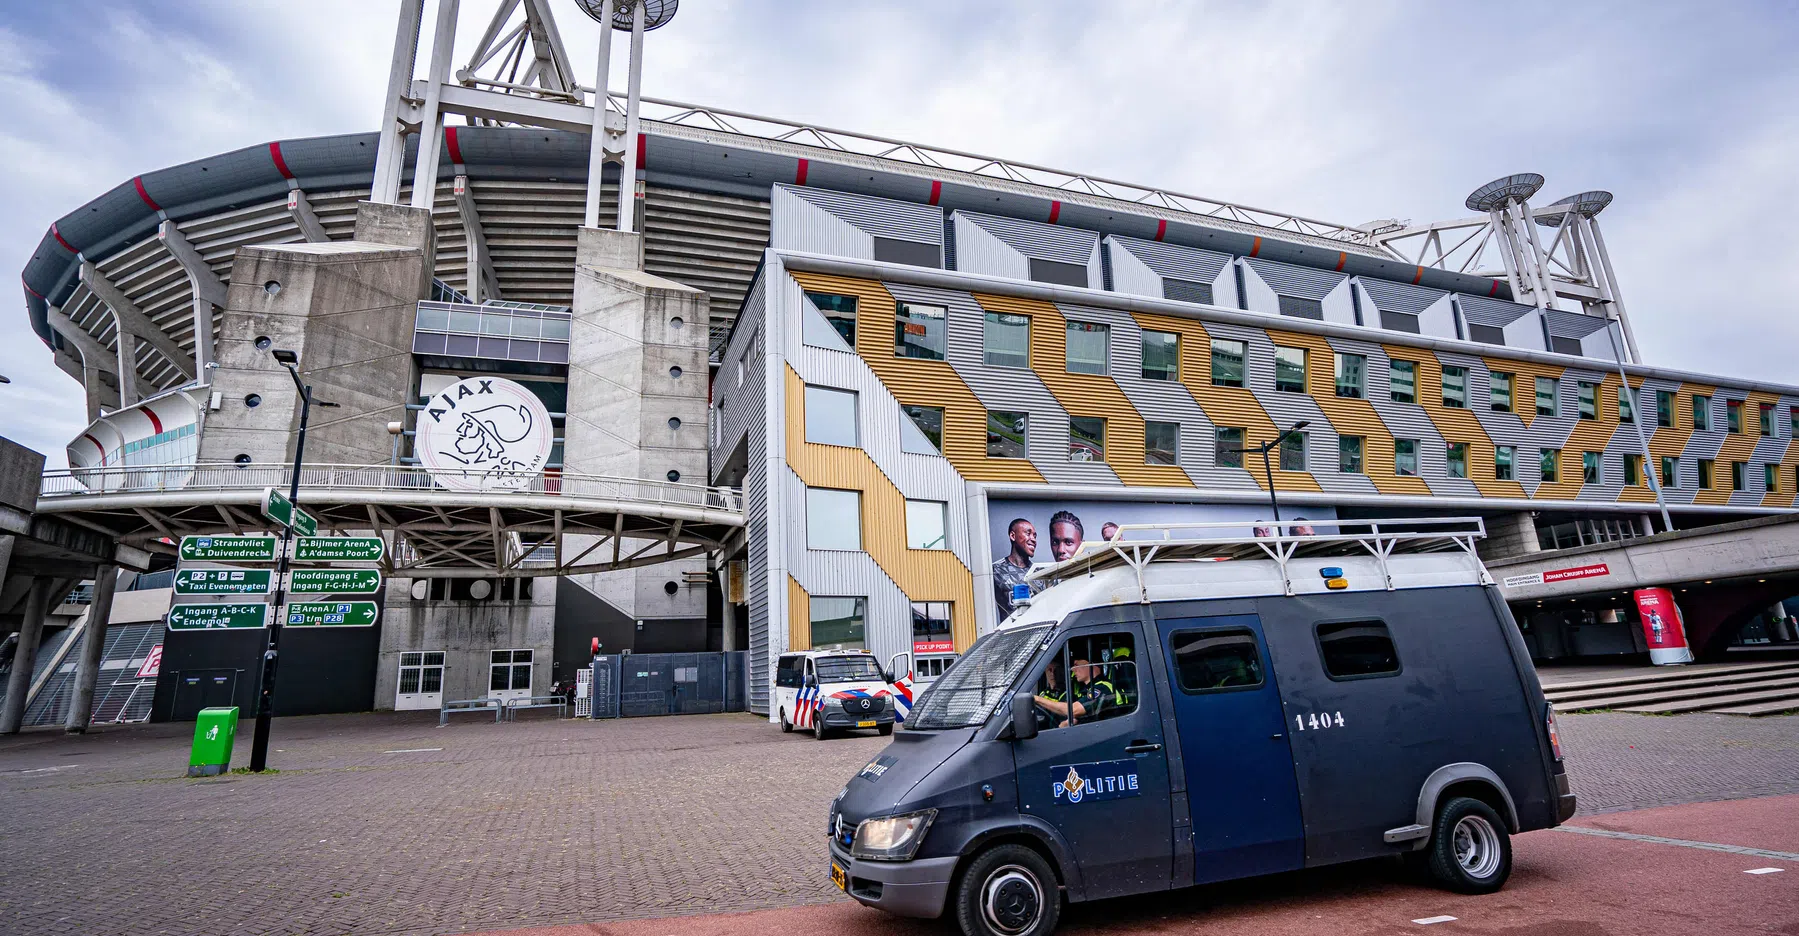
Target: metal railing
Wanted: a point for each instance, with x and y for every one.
(82, 482)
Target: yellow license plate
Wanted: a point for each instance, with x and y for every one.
(838, 878)
(865, 724)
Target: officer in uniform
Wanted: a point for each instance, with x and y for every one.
(1090, 696)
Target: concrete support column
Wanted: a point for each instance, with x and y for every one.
(1510, 535)
(93, 644)
(6, 544)
(728, 617)
(31, 630)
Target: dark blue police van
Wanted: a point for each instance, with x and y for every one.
(1188, 705)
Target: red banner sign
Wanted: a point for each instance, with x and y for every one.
(1578, 572)
(152, 664)
(1663, 628)
(933, 646)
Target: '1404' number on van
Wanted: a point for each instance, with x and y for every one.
(1318, 720)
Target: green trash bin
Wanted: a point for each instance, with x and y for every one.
(214, 730)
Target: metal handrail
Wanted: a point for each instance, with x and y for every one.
(135, 479)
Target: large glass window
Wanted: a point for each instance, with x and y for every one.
(1458, 460)
(839, 312)
(1589, 400)
(1161, 355)
(1403, 378)
(1290, 369)
(1352, 376)
(1161, 443)
(931, 627)
(927, 524)
(509, 671)
(1349, 454)
(1455, 387)
(839, 622)
(1357, 649)
(830, 416)
(1501, 392)
(1229, 451)
(1227, 362)
(1086, 439)
(1088, 347)
(1739, 472)
(1670, 473)
(1212, 660)
(1633, 470)
(1702, 412)
(1405, 457)
(1549, 460)
(1627, 408)
(1006, 340)
(1293, 451)
(1771, 477)
(1549, 392)
(1503, 456)
(1664, 408)
(833, 519)
(1767, 418)
(1006, 434)
(1089, 678)
(922, 431)
(1591, 468)
(919, 331)
(1705, 473)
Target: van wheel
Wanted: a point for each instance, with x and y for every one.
(1008, 890)
(884, 729)
(818, 726)
(1470, 851)
(786, 726)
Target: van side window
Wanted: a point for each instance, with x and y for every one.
(1104, 683)
(1214, 660)
(1355, 649)
(787, 673)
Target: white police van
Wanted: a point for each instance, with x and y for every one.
(824, 691)
(1158, 719)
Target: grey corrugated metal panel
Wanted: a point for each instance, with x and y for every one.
(887, 612)
(742, 399)
(1480, 310)
(1400, 297)
(1041, 241)
(1289, 280)
(1572, 324)
(800, 224)
(879, 217)
(1623, 441)
(1502, 428)
(1188, 263)
(1286, 409)
(1406, 420)
(1130, 274)
(978, 251)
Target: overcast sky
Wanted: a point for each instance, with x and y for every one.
(1343, 111)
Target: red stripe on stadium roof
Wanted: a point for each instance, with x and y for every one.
(936, 191)
(450, 143)
(1418, 276)
(280, 164)
(643, 150)
(29, 289)
(65, 244)
(1161, 228)
(1495, 290)
(1342, 258)
(138, 181)
(1255, 247)
(1055, 211)
(799, 175)
(97, 445)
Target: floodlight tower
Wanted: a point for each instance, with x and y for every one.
(639, 16)
(1506, 203)
(1577, 241)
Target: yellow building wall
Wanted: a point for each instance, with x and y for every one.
(1457, 425)
(1350, 416)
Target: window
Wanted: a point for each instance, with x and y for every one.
(1702, 412)
(1455, 387)
(921, 433)
(1503, 456)
(1592, 469)
(1290, 369)
(1227, 362)
(1214, 660)
(1405, 457)
(1561, 345)
(1767, 418)
(1059, 273)
(830, 416)
(839, 312)
(1186, 290)
(1548, 460)
(1633, 470)
(1229, 452)
(1293, 451)
(1089, 678)
(1087, 347)
(1486, 334)
(1349, 454)
(1664, 408)
(1739, 475)
(1549, 392)
(1458, 459)
(1352, 376)
(509, 671)
(918, 331)
(1627, 405)
(930, 628)
(1356, 649)
(1006, 340)
(1733, 416)
(1589, 400)
(1399, 321)
(1161, 443)
(927, 524)
(838, 622)
(1086, 439)
(911, 253)
(1161, 355)
(790, 673)
(833, 519)
(1006, 434)
(1705, 473)
(1670, 477)
(1771, 478)
(1301, 308)
(1793, 421)
(1403, 379)
(421, 671)
(1501, 392)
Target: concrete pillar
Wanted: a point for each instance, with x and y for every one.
(93, 644)
(400, 226)
(6, 544)
(1510, 535)
(728, 616)
(31, 630)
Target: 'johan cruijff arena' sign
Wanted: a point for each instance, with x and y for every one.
(484, 434)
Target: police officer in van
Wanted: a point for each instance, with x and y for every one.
(1089, 699)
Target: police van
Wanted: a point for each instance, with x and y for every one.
(825, 691)
(1159, 718)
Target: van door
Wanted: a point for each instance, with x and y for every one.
(1241, 790)
(1102, 778)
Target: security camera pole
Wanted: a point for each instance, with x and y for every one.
(1268, 468)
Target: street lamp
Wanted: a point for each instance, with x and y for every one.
(1268, 468)
(259, 744)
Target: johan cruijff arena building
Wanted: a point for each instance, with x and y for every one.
(815, 388)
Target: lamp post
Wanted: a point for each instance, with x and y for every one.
(1268, 467)
(259, 744)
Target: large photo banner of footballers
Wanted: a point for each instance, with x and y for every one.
(1026, 533)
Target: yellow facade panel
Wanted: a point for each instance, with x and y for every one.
(799, 616)
(1351, 416)
(1524, 383)
(1457, 425)
(1737, 447)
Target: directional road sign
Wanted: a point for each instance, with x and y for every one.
(223, 581)
(331, 613)
(334, 581)
(228, 548)
(338, 549)
(217, 616)
(278, 508)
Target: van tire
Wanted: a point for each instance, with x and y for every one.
(786, 726)
(1470, 851)
(818, 726)
(884, 729)
(1008, 884)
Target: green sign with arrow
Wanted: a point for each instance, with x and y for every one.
(338, 549)
(278, 508)
(217, 616)
(228, 548)
(331, 613)
(223, 581)
(334, 581)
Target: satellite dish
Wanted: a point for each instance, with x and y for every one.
(656, 13)
(1504, 191)
(1586, 204)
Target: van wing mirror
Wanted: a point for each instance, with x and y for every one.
(1024, 717)
(811, 680)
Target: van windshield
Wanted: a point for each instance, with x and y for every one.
(966, 695)
(848, 669)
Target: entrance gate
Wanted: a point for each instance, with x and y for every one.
(668, 684)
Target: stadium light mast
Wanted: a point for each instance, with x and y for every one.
(639, 16)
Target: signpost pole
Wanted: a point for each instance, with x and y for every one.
(259, 744)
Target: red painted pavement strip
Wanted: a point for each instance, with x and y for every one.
(1561, 885)
(1770, 823)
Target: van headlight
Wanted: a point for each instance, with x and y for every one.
(894, 838)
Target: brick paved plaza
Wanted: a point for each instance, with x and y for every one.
(545, 822)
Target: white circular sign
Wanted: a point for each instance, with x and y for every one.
(484, 434)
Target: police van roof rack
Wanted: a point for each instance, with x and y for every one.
(1139, 544)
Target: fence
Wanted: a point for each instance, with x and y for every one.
(641, 684)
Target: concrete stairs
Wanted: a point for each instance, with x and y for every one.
(1733, 689)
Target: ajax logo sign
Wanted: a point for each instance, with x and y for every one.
(484, 434)
(1075, 783)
